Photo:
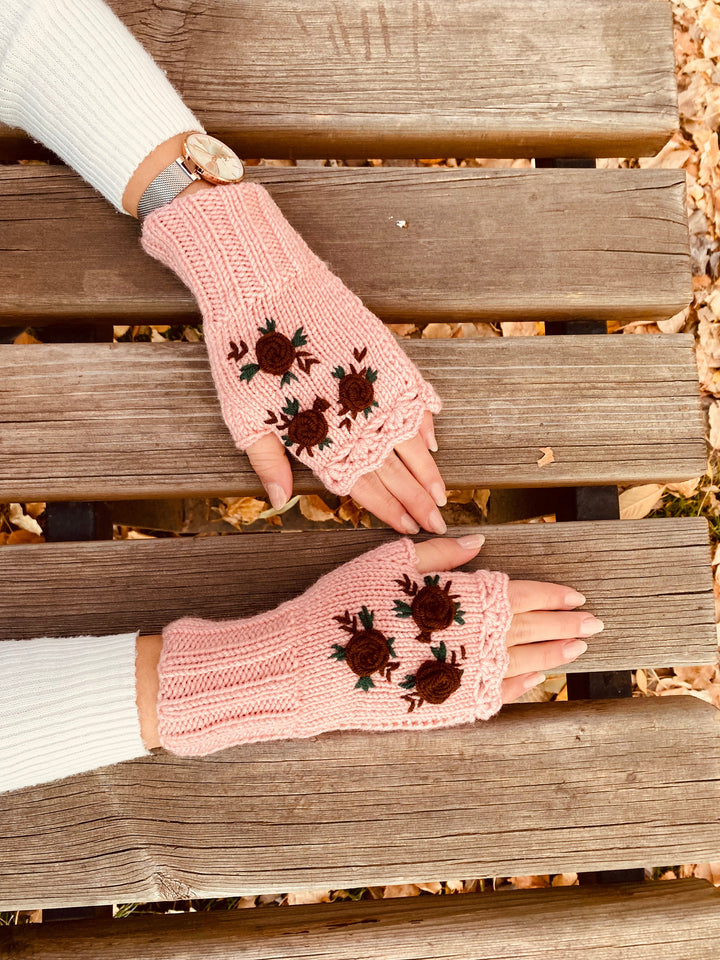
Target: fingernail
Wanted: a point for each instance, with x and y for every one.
(534, 680)
(408, 525)
(591, 625)
(574, 648)
(432, 442)
(437, 492)
(436, 522)
(574, 599)
(277, 495)
(473, 541)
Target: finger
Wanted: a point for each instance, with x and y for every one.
(544, 656)
(370, 492)
(415, 498)
(446, 553)
(540, 625)
(513, 687)
(414, 454)
(427, 432)
(269, 461)
(525, 595)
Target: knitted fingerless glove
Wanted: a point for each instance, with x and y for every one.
(292, 350)
(372, 645)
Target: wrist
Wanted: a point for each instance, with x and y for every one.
(147, 656)
(153, 164)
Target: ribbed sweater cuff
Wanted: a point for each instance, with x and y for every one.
(67, 705)
(74, 77)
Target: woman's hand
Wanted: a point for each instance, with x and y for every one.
(405, 492)
(546, 628)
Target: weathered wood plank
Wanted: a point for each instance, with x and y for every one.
(399, 79)
(540, 788)
(479, 244)
(117, 421)
(650, 921)
(649, 581)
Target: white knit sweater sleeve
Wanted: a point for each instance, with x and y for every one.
(75, 78)
(66, 706)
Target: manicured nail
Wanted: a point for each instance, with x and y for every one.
(278, 497)
(533, 680)
(432, 442)
(574, 648)
(574, 599)
(437, 492)
(436, 522)
(473, 541)
(408, 525)
(591, 625)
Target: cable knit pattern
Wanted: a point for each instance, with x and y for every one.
(372, 645)
(292, 350)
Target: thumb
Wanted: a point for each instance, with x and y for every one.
(270, 463)
(444, 553)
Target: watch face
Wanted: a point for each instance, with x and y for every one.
(218, 161)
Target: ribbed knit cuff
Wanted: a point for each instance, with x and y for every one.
(67, 705)
(74, 77)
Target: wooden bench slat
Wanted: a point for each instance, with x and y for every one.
(132, 420)
(651, 921)
(648, 580)
(479, 244)
(615, 783)
(424, 79)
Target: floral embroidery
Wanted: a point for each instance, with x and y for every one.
(435, 680)
(367, 651)
(275, 354)
(355, 390)
(433, 607)
(306, 428)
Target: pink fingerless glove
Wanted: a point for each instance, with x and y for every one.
(373, 645)
(292, 350)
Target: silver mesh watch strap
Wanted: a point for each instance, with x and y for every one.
(165, 187)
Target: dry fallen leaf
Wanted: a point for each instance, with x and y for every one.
(315, 508)
(638, 502)
(547, 457)
(18, 518)
(308, 896)
(239, 511)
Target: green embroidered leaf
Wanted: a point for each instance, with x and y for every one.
(408, 683)
(339, 652)
(287, 377)
(402, 609)
(367, 617)
(338, 372)
(458, 618)
(371, 375)
(391, 649)
(287, 441)
(299, 339)
(364, 683)
(375, 403)
(366, 411)
(440, 653)
(325, 443)
(269, 326)
(291, 407)
(432, 581)
(248, 371)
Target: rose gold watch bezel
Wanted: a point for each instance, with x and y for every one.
(200, 170)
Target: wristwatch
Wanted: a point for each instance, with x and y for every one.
(203, 157)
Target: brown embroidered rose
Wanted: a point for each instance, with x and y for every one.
(433, 607)
(355, 390)
(367, 651)
(306, 428)
(275, 354)
(435, 680)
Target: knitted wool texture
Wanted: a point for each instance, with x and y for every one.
(292, 350)
(372, 645)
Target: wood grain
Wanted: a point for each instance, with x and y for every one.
(540, 788)
(478, 245)
(648, 580)
(650, 921)
(131, 420)
(428, 78)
